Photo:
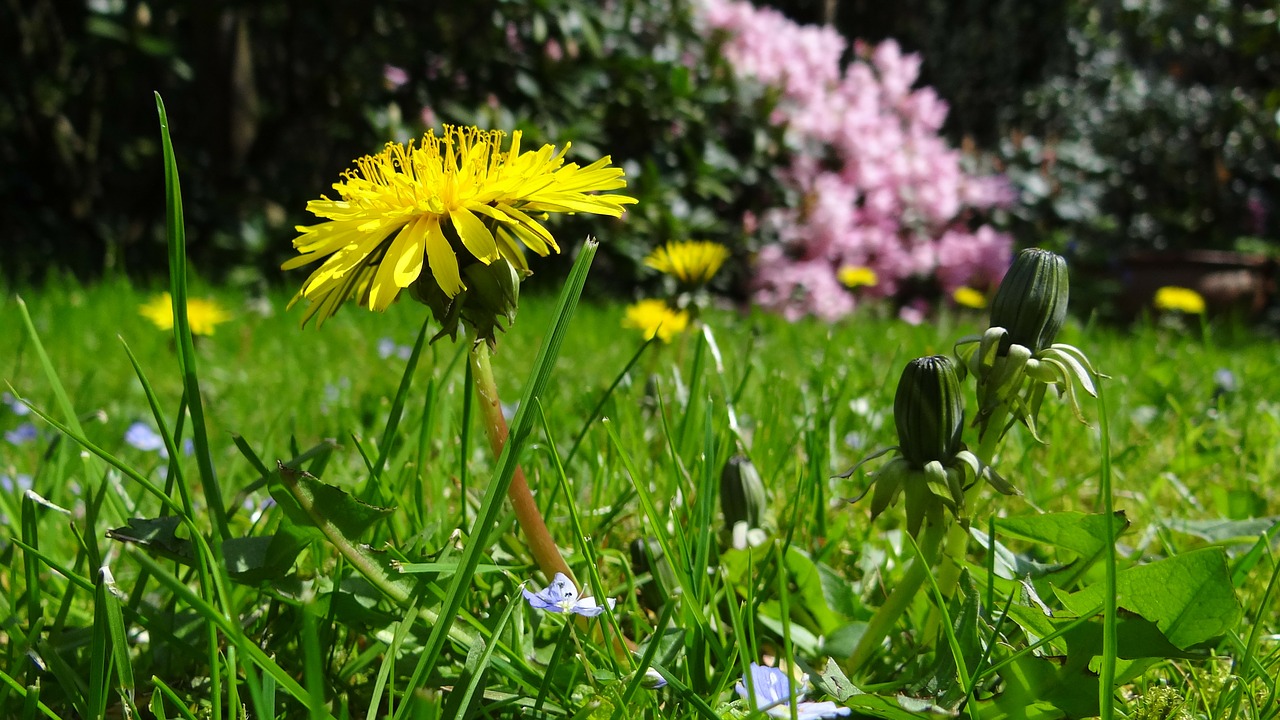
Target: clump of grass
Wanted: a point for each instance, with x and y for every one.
(371, 595)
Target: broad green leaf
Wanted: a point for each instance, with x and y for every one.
(1136, 637)
(248, 559)
(319, 508)
(810, 599)
(1188, 596)
(1237, 531)
(1037, 688)
(1077, 532)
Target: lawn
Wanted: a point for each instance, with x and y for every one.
(273, 627)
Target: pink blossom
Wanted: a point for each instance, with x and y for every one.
(395, 77)
(872, 183)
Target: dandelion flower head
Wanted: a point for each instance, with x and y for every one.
(968, 297)
(203, 315)
(692, 262)
(429, 206)
(853, 276)
(656, 318)
(1179, 299)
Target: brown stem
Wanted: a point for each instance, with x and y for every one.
(538, 538)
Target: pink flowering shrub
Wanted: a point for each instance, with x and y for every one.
(872, 183)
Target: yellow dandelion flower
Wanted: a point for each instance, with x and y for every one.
(1179, 299)
(656, 317)
(852, 276)
(970, 298)
(692, 262)
(203, 315)
(432, 205)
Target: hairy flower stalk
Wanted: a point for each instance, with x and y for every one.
(1017, 359)
(449, 220)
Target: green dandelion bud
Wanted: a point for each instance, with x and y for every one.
(1032, 300)
(742, 497)
(652, 571)
(487, 304)
(928, 411)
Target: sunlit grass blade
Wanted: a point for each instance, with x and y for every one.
(164, 691)
(604, 398)
(477, 668)
(30, 695)
(175, 231)
(229, 629)
(395, 413)
(1107, 673)
(507, 461)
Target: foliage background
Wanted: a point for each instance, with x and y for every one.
(1125, 126)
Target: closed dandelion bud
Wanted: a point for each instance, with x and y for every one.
(1032, 300)
(928, 411)
(742, 496)
(647, 560)
(492, 296)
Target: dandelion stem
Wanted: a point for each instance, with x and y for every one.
(538, 538)
(900, 599)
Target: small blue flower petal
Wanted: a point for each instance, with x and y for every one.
(140, 436)
(562, 597)
(773, 695)
(23, 434)
(21, 481)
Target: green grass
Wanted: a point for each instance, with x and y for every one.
(809, 400)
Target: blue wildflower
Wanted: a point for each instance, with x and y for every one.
(562, 597)
(388, 347)
(23, 434)
(773, 696)
(21, 481)
(17, 406)
(142, 437)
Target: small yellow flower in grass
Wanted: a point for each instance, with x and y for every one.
(1179, 299)
(970, 298)
(692, 262)
(656, 317)
(440, 206)
(203, 315)
(853, 276)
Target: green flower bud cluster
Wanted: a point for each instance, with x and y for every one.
(1017, 358)
(487, 304)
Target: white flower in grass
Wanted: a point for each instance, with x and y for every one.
(562, 597)
(772, 690)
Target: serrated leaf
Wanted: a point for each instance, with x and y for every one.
(1189, 596)
(833, 682)
(308, 502)
(248, 559)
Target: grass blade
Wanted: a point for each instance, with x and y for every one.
(505, 470)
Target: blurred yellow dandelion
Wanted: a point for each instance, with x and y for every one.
(203, 315)
(969, 297)
(451, 198)
(1179, 299)
(853, 276)
(656, 317)
(692, 262)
